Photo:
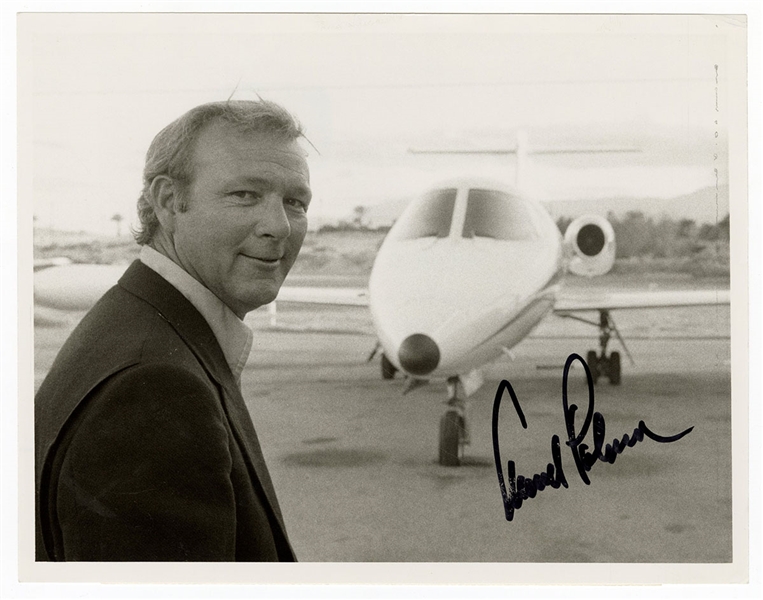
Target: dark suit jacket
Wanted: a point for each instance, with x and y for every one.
(145, 449)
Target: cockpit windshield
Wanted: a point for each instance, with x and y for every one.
(430, 216)
(497, 215)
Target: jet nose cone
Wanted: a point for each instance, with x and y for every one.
(419, 354)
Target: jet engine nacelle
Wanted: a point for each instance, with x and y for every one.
(590, 246)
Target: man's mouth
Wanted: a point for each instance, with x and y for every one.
(265, 259)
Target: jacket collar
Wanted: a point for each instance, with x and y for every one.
(147, 284)
(233, 335)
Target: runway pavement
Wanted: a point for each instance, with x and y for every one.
(354, 461)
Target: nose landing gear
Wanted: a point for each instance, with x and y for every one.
(451, 433)
(454, 427)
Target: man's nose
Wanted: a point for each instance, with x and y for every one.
(273, 221)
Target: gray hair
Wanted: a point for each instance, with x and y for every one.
(171, 152)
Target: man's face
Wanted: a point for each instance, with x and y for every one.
(245, 216)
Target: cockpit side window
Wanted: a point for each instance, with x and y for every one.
(498, 215)
(430, 216)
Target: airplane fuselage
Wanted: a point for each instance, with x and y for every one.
(465, 274)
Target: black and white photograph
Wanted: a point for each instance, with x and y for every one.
(376, 290)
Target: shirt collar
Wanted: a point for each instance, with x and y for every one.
(234, 337)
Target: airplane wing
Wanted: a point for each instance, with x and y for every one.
(46, 263)
(74, 286)
(602, 302)
(335, 296)
(79, 286)
(569, 302)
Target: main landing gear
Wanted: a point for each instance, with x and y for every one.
(454, 429)
(602, 364)
(388, 370)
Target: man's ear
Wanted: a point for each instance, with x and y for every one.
(166, 201)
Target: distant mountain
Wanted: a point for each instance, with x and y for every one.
(700, 205)
(703, 206)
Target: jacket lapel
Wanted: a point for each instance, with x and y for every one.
(145, 283)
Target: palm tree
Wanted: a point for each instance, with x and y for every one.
(358, 219)
(117, 218)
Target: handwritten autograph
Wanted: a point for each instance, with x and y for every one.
(523, 488)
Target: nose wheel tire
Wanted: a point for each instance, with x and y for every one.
(451, 435)
(388, 370)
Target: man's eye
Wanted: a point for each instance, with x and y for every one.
(245, 195)
(295, 203)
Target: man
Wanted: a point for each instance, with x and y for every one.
(145, 448)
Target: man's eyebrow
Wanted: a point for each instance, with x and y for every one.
(267, 183)
(245, 179)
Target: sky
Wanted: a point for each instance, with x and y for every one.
(95, 89)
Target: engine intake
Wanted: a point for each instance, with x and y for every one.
(590, 246)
